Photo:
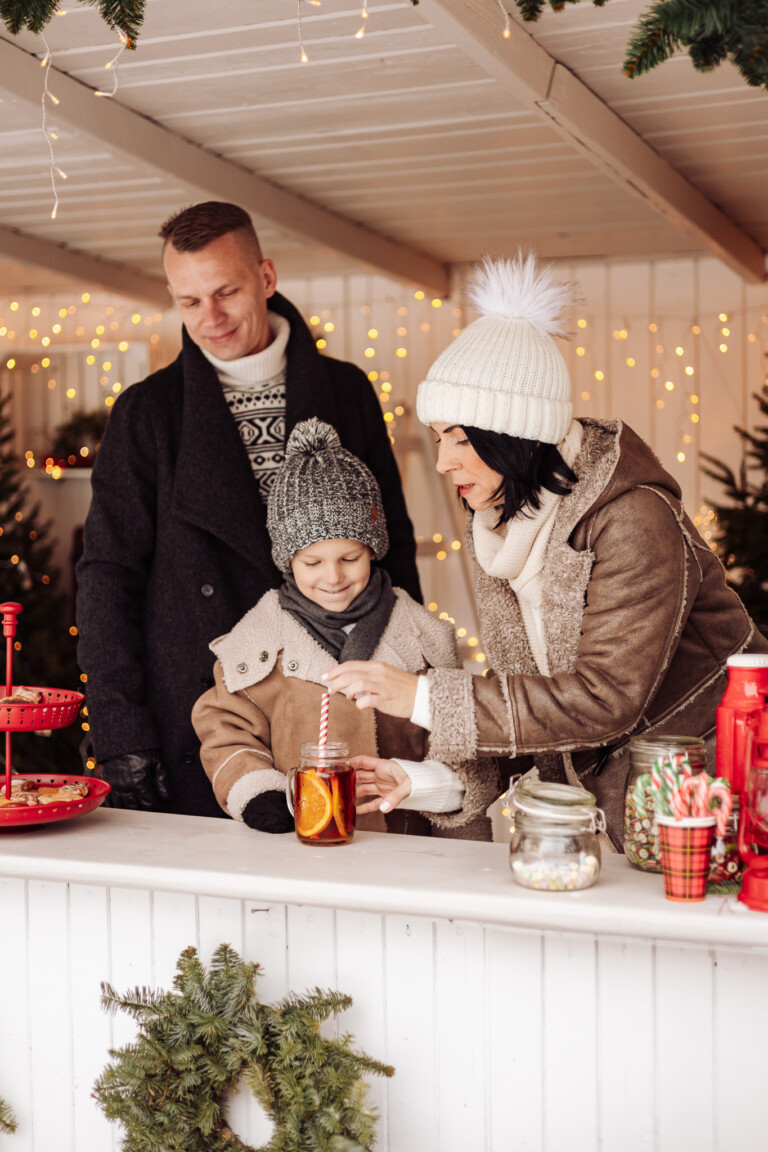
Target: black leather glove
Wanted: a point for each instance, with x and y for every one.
(139, 781)
(268, 812)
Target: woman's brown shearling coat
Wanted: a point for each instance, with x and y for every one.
(266, 702)
(638, 623)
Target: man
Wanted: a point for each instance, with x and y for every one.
(175, 544)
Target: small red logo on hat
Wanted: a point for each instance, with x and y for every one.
(374, 513)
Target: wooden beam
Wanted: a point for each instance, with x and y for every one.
(136, 135)
(536, 79)
(90, 270)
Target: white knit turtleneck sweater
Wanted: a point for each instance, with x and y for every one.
(254, 389)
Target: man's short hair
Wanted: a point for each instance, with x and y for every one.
(194, 228)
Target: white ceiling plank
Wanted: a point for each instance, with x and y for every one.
(136, 135)
(79, 266)
(526, 70)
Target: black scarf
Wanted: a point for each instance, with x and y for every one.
(369, 612)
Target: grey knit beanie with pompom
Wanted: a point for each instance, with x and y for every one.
(323, 492)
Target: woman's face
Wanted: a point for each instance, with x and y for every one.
(475, 482)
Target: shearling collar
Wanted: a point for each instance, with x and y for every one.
(411, 640)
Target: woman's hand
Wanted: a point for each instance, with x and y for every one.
(385, 780)
(372, 684)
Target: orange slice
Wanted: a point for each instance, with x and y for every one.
(314, 810)
(336, 804)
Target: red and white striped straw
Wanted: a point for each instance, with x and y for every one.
(323, 738)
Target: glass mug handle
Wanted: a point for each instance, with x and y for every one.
(289, 787)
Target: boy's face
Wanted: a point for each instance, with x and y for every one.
(332, 573)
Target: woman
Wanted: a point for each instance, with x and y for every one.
(603, 613)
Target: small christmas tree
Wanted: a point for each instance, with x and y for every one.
(169, 1087)
(743, 523)
(45, 648)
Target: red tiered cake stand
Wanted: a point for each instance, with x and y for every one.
(56, 709)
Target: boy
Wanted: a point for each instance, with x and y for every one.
(327, 525)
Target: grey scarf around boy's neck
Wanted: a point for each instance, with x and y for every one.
(369, 612)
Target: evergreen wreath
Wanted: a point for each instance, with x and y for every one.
(7, 1119)
(168, 1088)
(124, 16)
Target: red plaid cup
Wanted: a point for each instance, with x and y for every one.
(685, 851)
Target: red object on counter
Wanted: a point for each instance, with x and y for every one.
(753, 819)
(56, 708)
(744, 697)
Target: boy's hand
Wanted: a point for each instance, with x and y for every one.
(372, 684)
(385, 780)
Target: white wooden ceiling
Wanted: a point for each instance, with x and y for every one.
(425, 143)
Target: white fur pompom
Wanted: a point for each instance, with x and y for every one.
(311, 436)
(521, 289)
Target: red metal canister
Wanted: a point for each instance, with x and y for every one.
(744, 697)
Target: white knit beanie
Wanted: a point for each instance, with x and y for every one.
(504, 372)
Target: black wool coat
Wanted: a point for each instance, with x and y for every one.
(176, 547)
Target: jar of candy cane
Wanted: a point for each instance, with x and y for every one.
(554, 845)
(641, 840)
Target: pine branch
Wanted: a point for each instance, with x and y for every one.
(126, 16)
(8, 1122)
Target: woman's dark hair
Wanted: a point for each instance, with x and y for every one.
(526, 468)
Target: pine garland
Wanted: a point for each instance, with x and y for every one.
(7, 1119)
(711, 30)
(126, 16)
(169, 1087)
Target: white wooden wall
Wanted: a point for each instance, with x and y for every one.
(503, 1040)
(625, 297)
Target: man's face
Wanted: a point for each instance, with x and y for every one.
(222, 292)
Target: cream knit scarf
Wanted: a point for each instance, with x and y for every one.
(515, 551)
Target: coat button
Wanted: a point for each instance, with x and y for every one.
(263, 656)
(206, 682)
(207, 589)
(242, 668)
(189, 758)
(292, 665)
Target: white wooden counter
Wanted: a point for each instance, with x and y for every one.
(609, 1019)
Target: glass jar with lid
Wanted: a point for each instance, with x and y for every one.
(641, 840)
(554, 845)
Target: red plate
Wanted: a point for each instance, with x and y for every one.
(57, 709)
(33, 814)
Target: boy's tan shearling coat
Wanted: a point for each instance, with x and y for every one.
(266, 702)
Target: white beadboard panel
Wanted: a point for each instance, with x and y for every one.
(571, 1088)
(685, 1048)
(48, 967)
(90, 1026)
(460, 1031)
(360, 974)
(130, 952)
(174, 928)
(625, 1045)
(740, 1000)
(311, 949)
(220, 922)
(265, 942)
(411, 1009)
(501, 1038)
(515, 1039)
(16, 1062)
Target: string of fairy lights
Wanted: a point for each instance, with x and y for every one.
(32, 331)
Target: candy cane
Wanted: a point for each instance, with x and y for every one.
(720, 792)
